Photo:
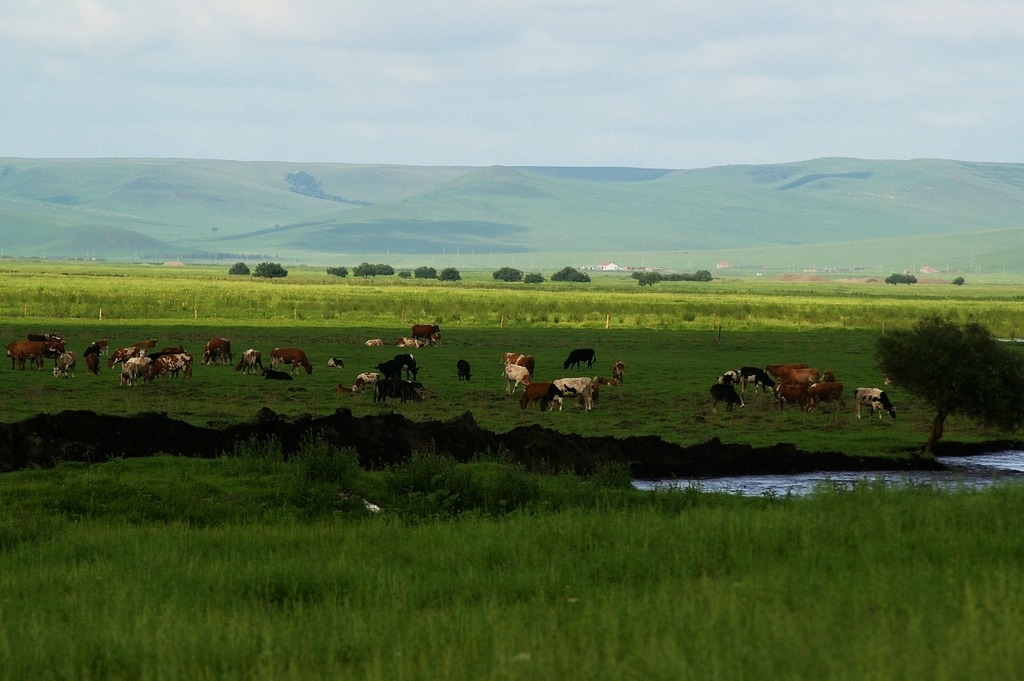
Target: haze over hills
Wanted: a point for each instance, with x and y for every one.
(825, 213)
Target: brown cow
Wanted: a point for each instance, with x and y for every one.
(794, 393)
(92, 363)
(292, 356)
(429, 333)
(21, 350)
(826, 391)
(218, 351)
(519, 359)
(806, 375)
(777, 369)
(543, 394)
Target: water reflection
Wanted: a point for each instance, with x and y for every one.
(972, 471)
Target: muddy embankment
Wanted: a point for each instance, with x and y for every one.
(47, 439)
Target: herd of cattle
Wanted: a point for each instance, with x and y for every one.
(795, 384)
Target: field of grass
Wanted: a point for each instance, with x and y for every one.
(675, 342)
(247, 566)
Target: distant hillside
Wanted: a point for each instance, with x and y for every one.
(844, 213)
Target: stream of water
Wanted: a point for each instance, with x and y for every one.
(966, 471)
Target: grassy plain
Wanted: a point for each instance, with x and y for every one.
(223, 569)
(249, 567)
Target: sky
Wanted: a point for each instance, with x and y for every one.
(645, 83)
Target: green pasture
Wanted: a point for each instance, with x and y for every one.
(675, 341)
(246, 567)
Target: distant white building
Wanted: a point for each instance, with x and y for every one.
(609, 267)
(724, 265)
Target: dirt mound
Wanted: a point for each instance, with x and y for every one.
(46, 439)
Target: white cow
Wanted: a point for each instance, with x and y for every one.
(875, 399)
(582, 386)
(251, 362)
(365, 379)
(134, 368)
(514, 375)
(65, 363)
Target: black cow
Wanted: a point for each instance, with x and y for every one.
(276, 375)
(580, 355)
(874, 399)
(337, 362)
(463, 368)
(725, 392)
(759, 377)
(391, 370)
(404, 390)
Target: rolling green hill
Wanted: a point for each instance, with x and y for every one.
(838, 213)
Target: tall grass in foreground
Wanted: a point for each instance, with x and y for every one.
(585, 580)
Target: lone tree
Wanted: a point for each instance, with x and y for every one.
(570, 274)
(450, 274)
(239, 268)
(269, 270)
(956, 370)
(508, 274)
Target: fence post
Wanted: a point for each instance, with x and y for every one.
(607, 320)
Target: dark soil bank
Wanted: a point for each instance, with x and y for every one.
(47, 439)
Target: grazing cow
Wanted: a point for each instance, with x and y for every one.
(275, 375)
(429, 333)
(579, 355)
(148, 343)
(519, 359)
(826, 391)
(725, 392)
(102, 344)
(218, 351)
(514, 375)
(776, 370)
(875, 399)
(133, 369)
(172, 351)
(21, 350)
(64, 364)
(92, 363)
(292, 356)
(581, 386)
(374, 343)
(336, 362)
(759, 377)
(404, 390)
(251, 359)
(408, 363)
(408, 343)
(543, 393)
(618, 372)
(827, 376)
(794, 393)
(462, 366)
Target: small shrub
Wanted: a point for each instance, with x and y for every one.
(570, 274)
(337, 271)
(239, 268)
(533, 278)
(425, 273)
(508, 274)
